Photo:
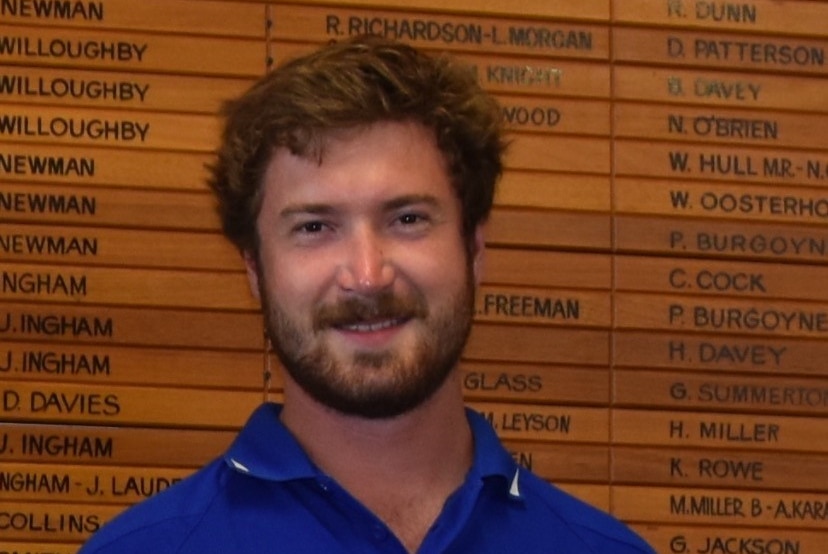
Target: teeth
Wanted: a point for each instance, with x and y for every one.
(370, 327)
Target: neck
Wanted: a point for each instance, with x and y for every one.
(401, 468)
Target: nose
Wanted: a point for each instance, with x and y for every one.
(365, 267)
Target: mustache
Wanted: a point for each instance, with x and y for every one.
(358, 309)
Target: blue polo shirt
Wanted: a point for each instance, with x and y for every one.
(266, 496)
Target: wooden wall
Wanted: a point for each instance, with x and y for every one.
(652, 330)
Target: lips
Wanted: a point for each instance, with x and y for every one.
(371, 327)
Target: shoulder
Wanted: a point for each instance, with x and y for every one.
(597, 530)
(162, 523)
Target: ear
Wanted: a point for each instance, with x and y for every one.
(478, 255)
(251, 265)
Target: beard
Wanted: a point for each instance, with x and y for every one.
(374, 384)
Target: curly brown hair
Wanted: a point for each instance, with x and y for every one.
(349, 84)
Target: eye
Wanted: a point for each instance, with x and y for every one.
(411, 219)
(309, 227)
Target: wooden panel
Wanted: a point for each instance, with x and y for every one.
(138, 91)
(722, 201)
(712, 88)
(715, 468)
(131, 51)
(68, 363)
(740, 317)
(588, 9)
(470, 33)
(778, 243)
(546, 422)
(756, 16)
(134, 326)
(710, 538)
(700, 392)
(209, 18)
(723, 163)
(36, 547)
(554, 190)
(709, 50)
(720, 353)
(725, 431)
(721, 507)
(533, 228)
(126, 286)
(105, 246)
(542, 307)
(85, 484)
(108, 445)
(561, 461)
(110, 207)
(102, 166)
(514, 343)
(725, 126)
(29, 521)
(534, 383)
(721, 278)
(43, 125)
(112, 405)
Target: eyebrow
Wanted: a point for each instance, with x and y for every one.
(326, 209)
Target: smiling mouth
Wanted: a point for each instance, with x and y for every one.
(372, 326)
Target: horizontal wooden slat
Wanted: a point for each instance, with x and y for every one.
(720, 239)
(535, 228)
(504, 266)
(721, 507)
(85, 484)
(757, 16)
(125, 129)
(562, 462)
(756, 280)
(119, 51)
(718, 88)
(554, 190)
(716, 50)
(715, 468)
(123, 286)
(29, 521)
(105, 246)
(111, 89)
(774, 433)
(515, 343)
(169, 16)
(93, 206)
(560, 9)
(61, 363)
(546, 423)
(534, 383)
(102, 166)
(738, 201)
(447, 32)
(722, 125)
(542, 307)
(685, 161)
(115, 405)
(134, 326)
(775, 319)
(108, 445)
(556, 115)
(700, 392)
(709, 538)
(720, 353)
(36, 547)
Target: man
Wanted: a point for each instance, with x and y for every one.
(356, 181)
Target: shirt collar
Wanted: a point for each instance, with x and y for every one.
(264, 448)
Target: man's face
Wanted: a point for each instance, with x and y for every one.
(362, 270)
